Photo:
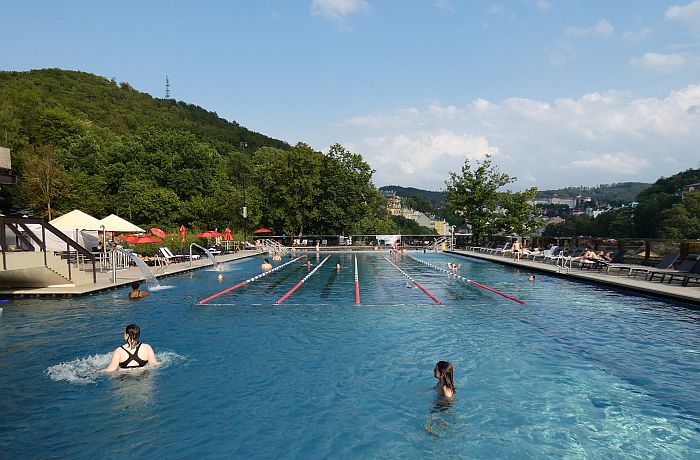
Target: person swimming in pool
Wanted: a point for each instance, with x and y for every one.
(309, 264)
(277, 257)
(531, 277)
(133, 353)
(446, 382)
(337, 266)
(137, 293)
(266, 265)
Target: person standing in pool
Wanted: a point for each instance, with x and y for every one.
(446, 381)
(133, 353)
(137, 293)
(266, 265)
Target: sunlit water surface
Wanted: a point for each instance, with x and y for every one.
(578, 371)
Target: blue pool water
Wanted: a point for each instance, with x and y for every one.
(578, 371)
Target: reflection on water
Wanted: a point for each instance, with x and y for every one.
(442, 417)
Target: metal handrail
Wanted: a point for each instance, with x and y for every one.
(23, 221)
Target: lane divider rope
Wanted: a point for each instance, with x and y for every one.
(249, 280)
(435, 299)
(302, 281)
(357, 284)
(466, 279)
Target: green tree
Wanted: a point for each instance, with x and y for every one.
(472, 196)
(682, 220)
(43, 179)
(519, 214)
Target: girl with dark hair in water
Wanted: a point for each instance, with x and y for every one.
(446, 381)
(133, 353)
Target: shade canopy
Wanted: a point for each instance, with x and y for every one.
(145, 239)
(158, 232)
(183, 232)
(76, 220)
(263, 230)
(227, 235)
(209, 234)
(114, 223)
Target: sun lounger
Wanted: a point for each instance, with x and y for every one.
(694, 275)
(686, 267)
(170, 257)
(665, 263)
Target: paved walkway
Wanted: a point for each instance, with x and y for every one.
(124, 277)
(676, 292)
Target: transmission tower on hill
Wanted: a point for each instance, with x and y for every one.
(167, 87)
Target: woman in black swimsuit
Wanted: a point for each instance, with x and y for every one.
(133, 353)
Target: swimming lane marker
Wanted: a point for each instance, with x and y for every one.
(303, 280)
(249, 280)
(467, 280)
(357, 284)
(435, 299)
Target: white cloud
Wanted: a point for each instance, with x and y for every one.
(543, 5)
(665, 63)
(338, 11)
(601, 137)
(623, 163)
(632, 36)
(601, 29)
(687, 14)
(445, 5)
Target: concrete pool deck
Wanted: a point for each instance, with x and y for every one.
(676, 292)
(124, 278)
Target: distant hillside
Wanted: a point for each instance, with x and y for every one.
(436, 199)
(621, 193)
(114, 108)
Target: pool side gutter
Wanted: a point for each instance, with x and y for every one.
(124, 278)
(690, 294)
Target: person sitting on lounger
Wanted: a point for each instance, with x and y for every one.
(137, 293)
(266, 265)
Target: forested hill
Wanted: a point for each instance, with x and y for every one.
(83, 141)
(115, 108)
(619, 193)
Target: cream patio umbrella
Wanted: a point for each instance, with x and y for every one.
(114, 223)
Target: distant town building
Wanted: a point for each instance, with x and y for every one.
(6, 176)
(568, 201)
(691, 187)
(393, 202)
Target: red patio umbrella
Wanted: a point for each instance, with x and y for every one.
(145, 239)
(262, 230)
(227, 235)
(158, 232)
(183, 232)
(128, 238)
(208, 234)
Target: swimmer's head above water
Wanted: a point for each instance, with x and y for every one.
(444, 372)
(132, 334)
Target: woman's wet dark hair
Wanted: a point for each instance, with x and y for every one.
(132, 334)
(135, 285)
(267, 261)
(447, 372)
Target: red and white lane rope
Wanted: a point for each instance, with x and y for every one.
(249, 280)
(467, 280)
(357, 284)
(435, 299)
(303, 280)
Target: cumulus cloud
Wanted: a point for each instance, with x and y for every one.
(601, 29)
(687, 14)
(598, 138)
(543, 5)
(658, 62)
(338, 11)
(636, 36)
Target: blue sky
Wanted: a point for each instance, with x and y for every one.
(558, 92)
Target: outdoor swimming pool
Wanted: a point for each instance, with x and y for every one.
(578, 371)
